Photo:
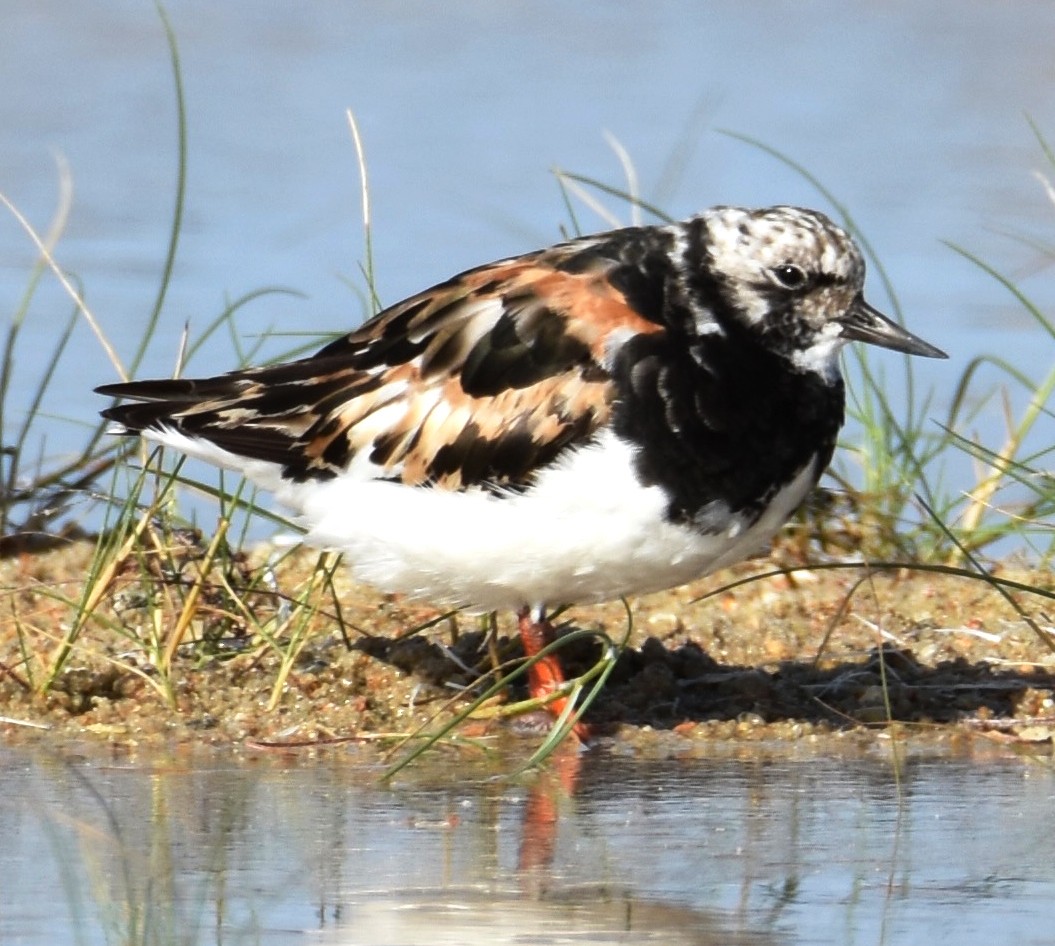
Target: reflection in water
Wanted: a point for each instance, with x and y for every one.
(202, 850)
(760, 846)
(430, 918)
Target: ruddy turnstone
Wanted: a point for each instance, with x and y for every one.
(613, 415)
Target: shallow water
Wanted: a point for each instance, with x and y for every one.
(912, 114)
(751, 845)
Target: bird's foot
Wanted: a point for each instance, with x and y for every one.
(546, 674)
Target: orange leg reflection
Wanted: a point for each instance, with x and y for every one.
(542, 812)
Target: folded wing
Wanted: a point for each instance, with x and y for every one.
(476, 382)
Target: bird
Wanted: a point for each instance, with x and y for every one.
(613, 415)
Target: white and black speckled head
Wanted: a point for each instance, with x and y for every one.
(796, 278)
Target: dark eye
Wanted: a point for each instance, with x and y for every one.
(789, 275)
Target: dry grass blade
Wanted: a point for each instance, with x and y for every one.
(96, 590)
(188, 611)
(41, 243)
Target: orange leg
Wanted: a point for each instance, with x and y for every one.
(547, 674)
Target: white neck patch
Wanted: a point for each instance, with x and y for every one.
(822, 357)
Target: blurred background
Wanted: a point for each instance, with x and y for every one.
(915, 115)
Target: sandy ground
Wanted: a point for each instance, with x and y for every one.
(818, 655)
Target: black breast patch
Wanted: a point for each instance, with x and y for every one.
(721, 419)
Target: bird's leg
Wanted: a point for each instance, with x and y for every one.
(546, 674)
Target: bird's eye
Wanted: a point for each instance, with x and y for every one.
(789, 275)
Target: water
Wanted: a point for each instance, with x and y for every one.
(913, 114)
(751, 846)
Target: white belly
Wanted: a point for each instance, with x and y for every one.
(586, 531)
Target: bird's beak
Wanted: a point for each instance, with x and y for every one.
(862, 323)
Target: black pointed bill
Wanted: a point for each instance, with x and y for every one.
(862, 323)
